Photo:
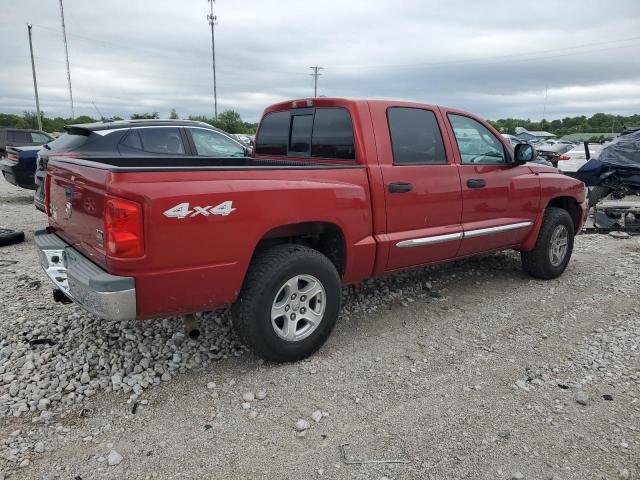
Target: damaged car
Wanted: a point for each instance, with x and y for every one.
(614, 181)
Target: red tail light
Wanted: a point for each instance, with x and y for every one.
(13, 157)
(123, 228)
(47, 189)
(564, 157)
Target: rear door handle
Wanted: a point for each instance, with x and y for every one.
(476, 183)
(400, 187)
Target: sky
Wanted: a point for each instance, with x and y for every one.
(497, 59)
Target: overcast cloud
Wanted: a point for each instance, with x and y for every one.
(495, 58)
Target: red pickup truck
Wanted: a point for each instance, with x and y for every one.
(336, 191)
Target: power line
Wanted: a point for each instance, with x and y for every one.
(516, 56)
(66, 53)
(315, 76)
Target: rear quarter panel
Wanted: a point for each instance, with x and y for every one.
(199, 262)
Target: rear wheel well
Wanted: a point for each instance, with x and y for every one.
(325, 237)
(571, 206)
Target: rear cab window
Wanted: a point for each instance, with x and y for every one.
(322, 132)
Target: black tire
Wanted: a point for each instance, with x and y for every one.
(267, 274)
(537, 262)
(596, 194)
(9, 237)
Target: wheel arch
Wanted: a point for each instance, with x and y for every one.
(327, 238)
(565, 202)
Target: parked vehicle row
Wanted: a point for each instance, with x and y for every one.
(139, 138)
(336, 191)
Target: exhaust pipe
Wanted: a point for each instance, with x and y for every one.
(61, 297)
(192, 326)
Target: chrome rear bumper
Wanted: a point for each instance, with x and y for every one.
(107, 296)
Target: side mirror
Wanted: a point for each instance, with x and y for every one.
(524, 153)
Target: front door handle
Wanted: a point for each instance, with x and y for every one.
(400, 187)
(476, 183)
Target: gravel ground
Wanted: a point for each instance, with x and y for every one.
(466, 370)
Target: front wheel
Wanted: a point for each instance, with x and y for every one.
(553, 248)
(289, 303)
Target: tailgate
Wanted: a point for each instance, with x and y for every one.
(76, 203)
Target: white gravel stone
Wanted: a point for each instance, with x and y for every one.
(114, 458)
(581, 397)
(211, 385)
(246, 406)
(261, 394)
(302, 425)
(316, 416)
(248, 396)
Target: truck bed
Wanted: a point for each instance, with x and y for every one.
(203, 217)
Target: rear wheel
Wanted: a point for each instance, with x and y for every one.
(554, 246)
(289, 303)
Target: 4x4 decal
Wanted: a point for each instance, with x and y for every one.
(183, 210)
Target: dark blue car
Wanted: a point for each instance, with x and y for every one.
(19, 166)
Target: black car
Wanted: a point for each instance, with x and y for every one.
(18, 149)
(137, 138)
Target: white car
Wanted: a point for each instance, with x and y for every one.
(575, 158)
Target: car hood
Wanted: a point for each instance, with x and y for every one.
(539, 168)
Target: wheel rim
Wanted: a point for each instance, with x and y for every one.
(298, 308)
(558, 245)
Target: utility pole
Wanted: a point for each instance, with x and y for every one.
(213, 20)
(35, 84)
(315, 76)
(546, 95)
(66, 52)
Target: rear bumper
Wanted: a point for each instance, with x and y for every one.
(17, 175)
(107, 296)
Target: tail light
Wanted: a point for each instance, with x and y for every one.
(564, 157)
(12, 157)
(123, 228)
(47, 189)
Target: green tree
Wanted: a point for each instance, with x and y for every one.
(145, 116)
(230, 121)
(173, 115)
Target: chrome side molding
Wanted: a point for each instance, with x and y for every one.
(418, 242)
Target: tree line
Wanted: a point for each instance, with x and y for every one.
(229, 121)
(597, 123)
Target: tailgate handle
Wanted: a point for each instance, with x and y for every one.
(400, 187)
(476, 183)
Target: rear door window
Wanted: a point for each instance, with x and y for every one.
(167, 141)
(274, 134)
(415, 137)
